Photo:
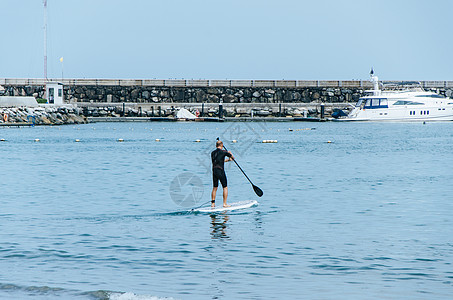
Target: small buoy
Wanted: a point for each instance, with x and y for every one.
(291, 129)
(234, 141)
(269, 141)
(151, 129)
(120, 140)
(36, 140)
(197, 141)
(329, 142)
(157, 140)
(2, 140)
(77, 140)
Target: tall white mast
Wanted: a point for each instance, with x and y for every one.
(45, 39)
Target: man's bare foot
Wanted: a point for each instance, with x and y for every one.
(226, 205)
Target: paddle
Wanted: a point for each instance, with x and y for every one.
(257, 190)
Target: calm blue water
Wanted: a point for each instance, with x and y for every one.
(369, 215)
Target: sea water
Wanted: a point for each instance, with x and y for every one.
(350, 211)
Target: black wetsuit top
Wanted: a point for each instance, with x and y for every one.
(218, 173)
(218, 158)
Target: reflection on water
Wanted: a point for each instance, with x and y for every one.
(219, 226)
(258, 223)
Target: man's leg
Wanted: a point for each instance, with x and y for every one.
(214, 191)
(225, 196)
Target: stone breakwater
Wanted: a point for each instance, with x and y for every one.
(42, 115)
(162, 98)
(206, 91)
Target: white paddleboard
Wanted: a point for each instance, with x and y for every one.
(233, 206)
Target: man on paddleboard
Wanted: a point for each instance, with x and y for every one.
(218, 172)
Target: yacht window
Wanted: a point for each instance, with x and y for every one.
(403, 102)
(376, 103)
(359, 103)
(430, 96)
(427, 112)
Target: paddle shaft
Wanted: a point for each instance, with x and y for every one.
(240, 168)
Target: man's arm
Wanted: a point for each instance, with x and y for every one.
(230, 155)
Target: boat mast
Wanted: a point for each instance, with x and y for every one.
(45, 39)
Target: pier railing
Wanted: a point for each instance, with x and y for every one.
(215, 83)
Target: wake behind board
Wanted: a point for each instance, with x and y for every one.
(233, 206)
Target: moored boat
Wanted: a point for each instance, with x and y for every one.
(409, 104)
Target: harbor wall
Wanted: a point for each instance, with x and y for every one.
(240, 98)
(208, 91)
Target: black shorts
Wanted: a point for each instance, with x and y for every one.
(219, 174)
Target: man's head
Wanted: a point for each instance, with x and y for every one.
(219, 144)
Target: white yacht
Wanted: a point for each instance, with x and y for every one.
(406, 105)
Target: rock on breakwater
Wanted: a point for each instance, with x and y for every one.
(48, 115)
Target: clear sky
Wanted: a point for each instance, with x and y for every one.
(229, 39)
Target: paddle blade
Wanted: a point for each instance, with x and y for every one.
(257, 190)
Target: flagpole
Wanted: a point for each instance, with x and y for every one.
(45, 39)
(45, 49)
(62, 68)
